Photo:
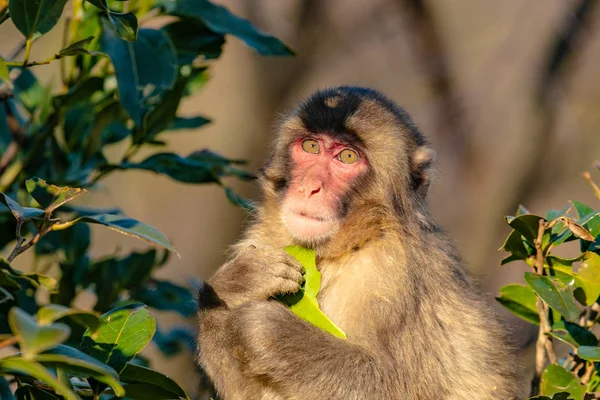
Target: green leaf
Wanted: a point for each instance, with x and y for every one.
(127, 226)
(5, 392)
(141, 88)
(192, 38)
(34, 279)
(176, 167)
(588, 217)
(514, 245)
(188, 123)
(4, 74)
(590, 353)
(4, 15)
(53, 312)
(520, 300)
(28, 392)
(304, 303)
(32, 338)
(78, 48)
(13, 365)
(573, 334)
(527, 225)
(176, 340)
(219, 19)
(239, 201)
(18, 211)
(80, 364)
(138, 374)
(167, 296)
(50, 196)
(588, 276)
(556, 379)
(160, 117)
(556, 293)
(124, 333)
(35, 17)
(125, 25)
(28, 90)
(7, 280)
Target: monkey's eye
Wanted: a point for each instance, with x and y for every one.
(348, 156)
(311, 146)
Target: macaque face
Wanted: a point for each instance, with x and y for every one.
(323, 170)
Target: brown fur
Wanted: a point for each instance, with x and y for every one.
(416, 325)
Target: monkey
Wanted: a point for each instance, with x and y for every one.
(348, 177)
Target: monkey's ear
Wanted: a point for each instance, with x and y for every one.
(422, 169)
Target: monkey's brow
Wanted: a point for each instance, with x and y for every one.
(345, 138)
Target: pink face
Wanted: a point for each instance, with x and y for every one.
(323, 170)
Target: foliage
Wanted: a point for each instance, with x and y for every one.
(122, 82)
(561, 295)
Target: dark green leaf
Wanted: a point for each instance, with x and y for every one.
(520, 300)
(14, 365)
(32, 338)
(527, 225)
(7, 281)
(141, 88)
(590, 353)
(188, 123)
(28, 392)
(50, 196)
(556, 293)
(54, 312)
(78, 48)
(143, 391)
(5, 392)
(28, 90)
(125, 331)
(556, 379)
(125, 25)
(160, 117)
(181, 169)
(82, 91)
(35, 17)
(127, 226)
(192, 38)
(219, 19)
(176, 340)
(573, 334)
(167, 296)
(19, 212)
(137, 374)
(34, 279)
(239, 201)
(514, 245)
(80, 364)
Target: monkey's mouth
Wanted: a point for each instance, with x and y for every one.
(306, 226)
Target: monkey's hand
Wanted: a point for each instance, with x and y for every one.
(257, 274)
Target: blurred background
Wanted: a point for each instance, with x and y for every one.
(507, 92)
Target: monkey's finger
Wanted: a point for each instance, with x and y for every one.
(292, 262)
(286, 286)
(283, 270)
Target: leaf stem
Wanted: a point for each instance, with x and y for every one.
(544, 346)
(20, 247)
(27, 52)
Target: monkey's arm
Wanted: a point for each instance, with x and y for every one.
(306, 362)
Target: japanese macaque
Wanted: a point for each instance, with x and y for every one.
(348, 177)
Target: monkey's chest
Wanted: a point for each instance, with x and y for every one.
(345, 294)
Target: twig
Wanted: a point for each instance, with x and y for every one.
(8, 342)
(20, 248)
(588, 373)
(544, 346)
